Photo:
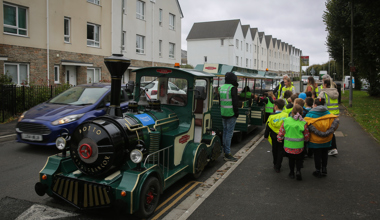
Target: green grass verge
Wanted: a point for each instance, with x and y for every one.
(365, 109)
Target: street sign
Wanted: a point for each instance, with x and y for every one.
(304, 60)
(312, 71)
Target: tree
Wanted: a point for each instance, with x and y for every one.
(337, 18)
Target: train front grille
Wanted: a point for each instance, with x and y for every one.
(82, 194)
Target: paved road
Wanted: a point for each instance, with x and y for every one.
(21, 163)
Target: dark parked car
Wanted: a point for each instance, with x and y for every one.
(42, 124)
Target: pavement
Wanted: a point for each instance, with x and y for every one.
(255, 191)
(7, 131)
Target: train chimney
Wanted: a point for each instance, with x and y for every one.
(116, 65)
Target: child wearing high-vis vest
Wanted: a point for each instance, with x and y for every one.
(274, 123)
(268, 100)
(294, 132)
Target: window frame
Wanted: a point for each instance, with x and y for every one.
(18, 71)
(140, 14)
(123, 40)
(17, 28)
(172, 55)
(140, 50)
(237, 43)
(68, 29)
(56, 74)
(95, 2)
(171, 21)
(93, 76)
(160, 48)
(160, 12)
(98, 28)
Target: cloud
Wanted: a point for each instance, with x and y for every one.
(296, 22)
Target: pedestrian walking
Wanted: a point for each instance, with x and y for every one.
(294, 132)
(272, 128)
(331, 95)
(321, 124)
(230, 112)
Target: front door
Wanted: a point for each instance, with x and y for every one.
(71, 75)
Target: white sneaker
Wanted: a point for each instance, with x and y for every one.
(333, 152)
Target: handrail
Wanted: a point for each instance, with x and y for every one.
(158, 160)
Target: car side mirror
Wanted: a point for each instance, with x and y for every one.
(130, 87)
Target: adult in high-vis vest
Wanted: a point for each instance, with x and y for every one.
(272, 128)
(294, 132)
(230, 112)
(311, 85)
(322, 125)
(288, 87)
(278, 89)
(246, 95)
(331, 95)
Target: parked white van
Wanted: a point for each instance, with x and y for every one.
(347, 82)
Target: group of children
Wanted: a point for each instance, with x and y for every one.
(299, 123)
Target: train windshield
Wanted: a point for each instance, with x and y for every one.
(171, 91)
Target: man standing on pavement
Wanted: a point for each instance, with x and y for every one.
(279, 88)
(229, 111)
(331, 95)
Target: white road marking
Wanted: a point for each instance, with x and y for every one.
(41, 212)
(5, 136)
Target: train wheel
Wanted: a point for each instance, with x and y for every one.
(200, 163)
(216, 151)
(149, 197)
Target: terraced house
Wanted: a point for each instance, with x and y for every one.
(53, 42)
(229, 42)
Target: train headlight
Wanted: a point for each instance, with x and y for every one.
(136, 156)
(60, 143)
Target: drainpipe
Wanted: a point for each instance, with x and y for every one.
(153, 3)
(47, 40)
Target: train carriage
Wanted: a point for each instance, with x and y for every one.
(130, 159)
(251, 114)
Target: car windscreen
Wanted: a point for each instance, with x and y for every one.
(79, 96)
(147, 85)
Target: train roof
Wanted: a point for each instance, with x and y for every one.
(193, 72)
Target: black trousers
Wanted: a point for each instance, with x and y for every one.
(277, 151)
(295, 160)
(333, 143)
(266, 116)
(320, 157)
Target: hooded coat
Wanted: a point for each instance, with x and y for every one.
(231, 78)
(331, 92)
(322, 125)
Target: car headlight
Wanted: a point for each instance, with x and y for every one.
(60, 143)
(67, 119)
(136, 156)
(22, 116)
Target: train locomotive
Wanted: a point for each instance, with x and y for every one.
(129, 159)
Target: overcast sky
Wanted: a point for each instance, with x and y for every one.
(297, 22)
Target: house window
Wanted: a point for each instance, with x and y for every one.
(66, 30)
(19, 72)
(237, 60)
(246, 62)
(171, 50)
(93, 75)
(250, 48)
(255, 48)
(97, 2)
(254, 62)
(261, 64)
(140, 44)
(205, 59)
(56, 74)
(241, 45)
(160, 17)
(140, 9)
(160, 48)
(246, 46)
(93, 31)
(15, 20)
(171, 21)
(237, 44)
(222, 42)
(123, 40)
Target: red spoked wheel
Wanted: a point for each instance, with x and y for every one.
(85, 151)
(149, 197)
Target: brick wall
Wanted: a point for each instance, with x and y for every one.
(37, 60)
